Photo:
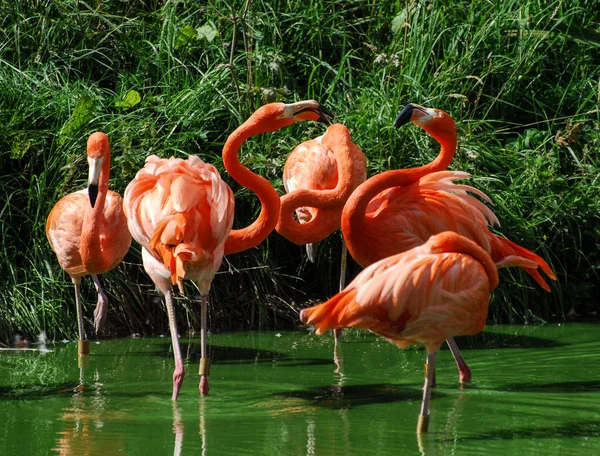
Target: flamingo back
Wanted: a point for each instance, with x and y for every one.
(418, 296)
(181, 211)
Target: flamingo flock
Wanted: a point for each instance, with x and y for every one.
(424, 240)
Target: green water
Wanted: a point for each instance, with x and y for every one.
(535, 390)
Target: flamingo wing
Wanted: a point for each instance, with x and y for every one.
(412, 297)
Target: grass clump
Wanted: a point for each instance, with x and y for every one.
(175, 78)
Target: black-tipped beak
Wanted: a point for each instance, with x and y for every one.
(93, 193)
(325, 115)
(404, 116)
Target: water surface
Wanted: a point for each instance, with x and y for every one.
(535, 391)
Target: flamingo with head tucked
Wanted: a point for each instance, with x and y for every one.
(397, 210)
(88, 232)
(423, 295)
(324, 170)
(181, 212)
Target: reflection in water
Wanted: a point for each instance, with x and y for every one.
(203, 426)
(177, 429)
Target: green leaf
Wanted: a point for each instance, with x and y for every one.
(82, 114)
(184, 35)
(208, 32)
(131, 98)
(19, 146)
(399, 21)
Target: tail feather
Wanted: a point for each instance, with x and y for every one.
(506, 253)
(332, 314)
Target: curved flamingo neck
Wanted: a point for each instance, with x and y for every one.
(258, 230)
(328, 203)
(354, 223)
(92, 255)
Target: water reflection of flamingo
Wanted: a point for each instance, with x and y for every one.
(324, 171)
(400, 209)
(425, 295)
(88, 232)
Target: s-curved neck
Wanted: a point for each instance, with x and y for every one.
(258, 230)
(90, 248)
(354, 214)
(329, 203)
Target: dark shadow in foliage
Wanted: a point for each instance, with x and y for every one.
(571, 429)
(492, 340)
(337, 397)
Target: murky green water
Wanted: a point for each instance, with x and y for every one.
(536, 390)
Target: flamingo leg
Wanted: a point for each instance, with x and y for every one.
(423, 425)
(83, 346)
(101, 305)
(337, 333)
(204, 361)
(464, 371)
(179, 372)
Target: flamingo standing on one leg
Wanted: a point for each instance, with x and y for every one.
(312, 170)
(88, 232)
(427, 294)
(400, 209)
(181, 212)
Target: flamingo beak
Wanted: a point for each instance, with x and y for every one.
(404, 116)
(95, 165)
(308, 109)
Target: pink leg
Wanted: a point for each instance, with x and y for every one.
(179, 372)
(464, 371)
(337, 333)
(204, 361)
(101, 305)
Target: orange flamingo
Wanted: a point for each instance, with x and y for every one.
(424, 295)
(88, 232)
(181, 212)
(311, 173)
(400, 209)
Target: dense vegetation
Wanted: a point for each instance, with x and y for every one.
(521, 78)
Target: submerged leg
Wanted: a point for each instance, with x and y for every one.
(179, 372)
(204, 361)
(83, 346)
(464, 372)
(337, 333)
(423, 425)
(101, 305)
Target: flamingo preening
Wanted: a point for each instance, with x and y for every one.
(181, 212)
(88, 232)
(397, 210)
(323, 171)
(424, 295)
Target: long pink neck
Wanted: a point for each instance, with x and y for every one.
(92, 255)
(257, 231)
(354, 225)
(329, 203)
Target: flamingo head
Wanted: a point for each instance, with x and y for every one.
(274, 116)
(434, 121)
(98, 149)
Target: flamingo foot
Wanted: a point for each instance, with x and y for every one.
(100, 312)
(203, 385)
(178, 375)
(464, 374)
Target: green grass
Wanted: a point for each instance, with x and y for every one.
(175, 78)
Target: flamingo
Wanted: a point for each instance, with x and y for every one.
(397, 210)
(311, 171)
(181, 213)
(88, 232)
(423, 295)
